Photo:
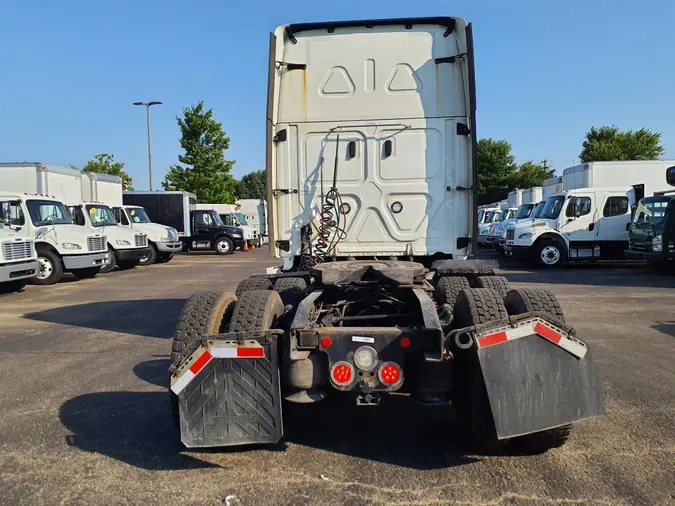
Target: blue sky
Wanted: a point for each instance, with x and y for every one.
(546, 72)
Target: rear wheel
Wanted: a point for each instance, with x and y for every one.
(475, 306)
(151, 256)
(248, 284)
(498, 283)
(448, 288)
(110, 263)
(256, 310)
(51, 270)
(87, 273)
(527, 300)
(290, 289)
(223, 246)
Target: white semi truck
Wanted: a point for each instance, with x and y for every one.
(18, 258)
(232, 216)
(61, 246)
(372, 200)
(255, 212)
(163, 242)
(589, 219)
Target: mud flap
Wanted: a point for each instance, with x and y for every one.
(534, 385)
(233, 401)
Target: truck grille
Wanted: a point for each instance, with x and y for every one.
(96, 243)
(17, 250)
(141, 240)
(510, 234)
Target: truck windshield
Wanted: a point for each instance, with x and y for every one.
(504, 215)
(242, 220)
(138, 215)
(100, 215)
(217, 219)
(537, 210)
(524, 211)
(481, 213)
(552, 208)
(47, 212)
(651, 211)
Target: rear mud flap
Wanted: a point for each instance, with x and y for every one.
(233, 402)
(534, 385)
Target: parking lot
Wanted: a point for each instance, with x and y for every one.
(85, 417)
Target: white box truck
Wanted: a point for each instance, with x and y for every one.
(61, 246)
(372, 200)
(530, 199)
(587, 223)
(232, 216)
(255, 212)
(163, 241)
(18, 258)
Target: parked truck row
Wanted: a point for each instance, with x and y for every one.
(57, 220)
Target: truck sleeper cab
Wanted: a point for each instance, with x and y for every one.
(18, 259)
(163, 242)
(60, 245)
(371, 155)
(125, 248)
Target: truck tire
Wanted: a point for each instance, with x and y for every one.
(111, 263)
(204, 313)
(549, 254)
(256, 283)
(498, 283)
(256, 310)
(129, 264)
(223, 246)
(475, 306)
(87, 273)
(526, 300)
(51, 269)
(290, 289)
(448, 288)
(151, 257)
(164, 258)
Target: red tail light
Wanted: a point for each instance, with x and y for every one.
(342, 373)
(326, 342)
(390, 373)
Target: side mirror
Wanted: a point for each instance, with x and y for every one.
(627, 226)
(6, 214)
(670, 176)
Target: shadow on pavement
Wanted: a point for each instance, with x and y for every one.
(133, 427)
(155, 372)
(149, 317)
(667, 328)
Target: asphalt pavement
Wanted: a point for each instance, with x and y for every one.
(85, 416)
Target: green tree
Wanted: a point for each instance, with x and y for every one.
(609, 143)
(253, 185)
(531, 174)
(496, 169)
(206, 172)
(104, 163)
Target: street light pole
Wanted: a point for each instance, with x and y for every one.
(147, 112)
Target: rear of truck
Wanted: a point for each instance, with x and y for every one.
(371, 179)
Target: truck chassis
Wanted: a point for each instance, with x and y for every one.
(454, 333)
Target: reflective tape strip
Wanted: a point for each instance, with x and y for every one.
(571, 345)
(182, 382)
(238, 352)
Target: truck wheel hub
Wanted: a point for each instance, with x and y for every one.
(550, 255)
(223, 246)
(46, 268)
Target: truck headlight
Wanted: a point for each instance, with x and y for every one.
(526, 235)
(70, 245)
(122, 242)
(236, 234)
(657, 244)
(161, 239)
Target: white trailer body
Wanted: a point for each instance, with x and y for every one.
(102, 188)
(401, 100)
(651, 173)
(533, 195)
(551, 186)
(515, 198)
(255, 211)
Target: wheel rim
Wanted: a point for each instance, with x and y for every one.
(108, 261)
(550, 255)
(223, 246)
(46, 268)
